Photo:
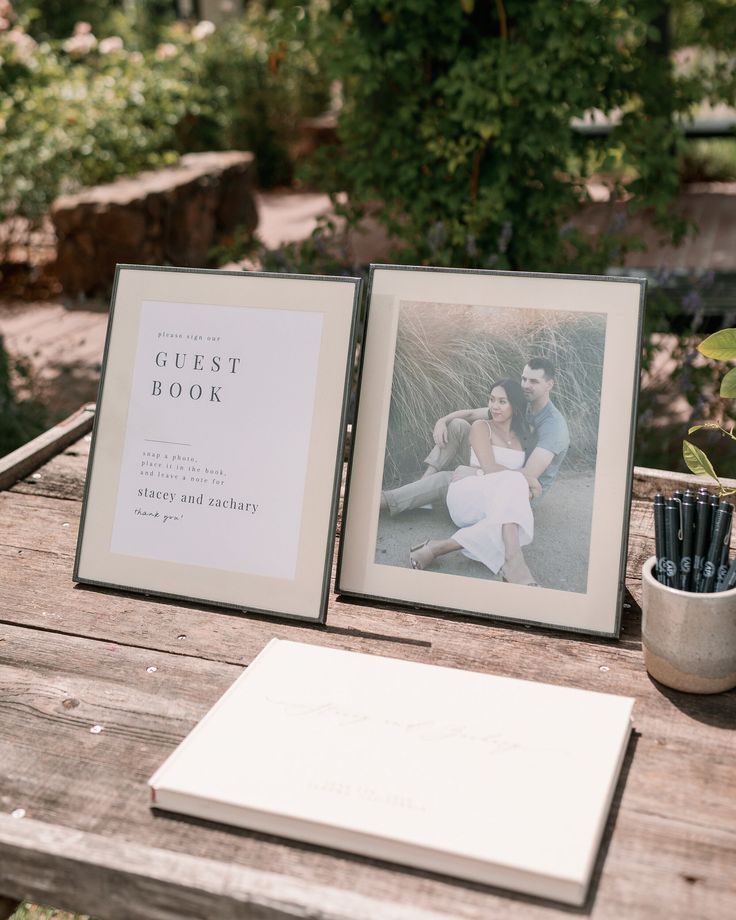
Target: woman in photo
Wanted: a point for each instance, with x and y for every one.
(490, 501)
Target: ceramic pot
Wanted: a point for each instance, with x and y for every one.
(689, 639)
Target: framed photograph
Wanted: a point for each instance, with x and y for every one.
(217, 451)
(492, 456)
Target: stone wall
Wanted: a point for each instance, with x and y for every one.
(171, 216)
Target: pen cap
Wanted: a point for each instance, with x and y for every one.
(714, 503)
(688, 523)
(728, 507)
(659, 534)
(725, 550)
(721, 520)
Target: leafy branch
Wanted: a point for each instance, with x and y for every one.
(721, 346)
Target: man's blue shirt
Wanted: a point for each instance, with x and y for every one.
(551, 434)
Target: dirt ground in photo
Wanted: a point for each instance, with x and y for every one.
(557, 557)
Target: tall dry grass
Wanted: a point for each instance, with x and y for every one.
(448, 356)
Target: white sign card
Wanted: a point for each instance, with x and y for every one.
(218, 444)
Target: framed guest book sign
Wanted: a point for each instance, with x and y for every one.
(492, 456)
(217, 450)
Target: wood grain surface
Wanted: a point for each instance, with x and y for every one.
(74, 658)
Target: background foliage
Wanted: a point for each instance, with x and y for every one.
(87, 108)
(722, 347)
(457, 118)
(22, 418)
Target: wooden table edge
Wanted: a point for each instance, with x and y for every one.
(60, 859)
(35, 453)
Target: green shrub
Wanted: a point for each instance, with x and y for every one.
(85, 110)
(141, 21)
(74, 114)
(78, 124)
(268, 79)
(21, 418)
(709, 161)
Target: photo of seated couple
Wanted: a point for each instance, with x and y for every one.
(504, 489)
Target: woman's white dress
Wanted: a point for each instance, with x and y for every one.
(481, 505)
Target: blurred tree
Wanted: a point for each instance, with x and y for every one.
(21, 418)
(458, 117)
(55, 19)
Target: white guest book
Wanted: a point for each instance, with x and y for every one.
(501, 781)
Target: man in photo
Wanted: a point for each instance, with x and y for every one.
(452, 443)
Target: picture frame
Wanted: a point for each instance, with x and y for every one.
(537, 532)
(217, 450)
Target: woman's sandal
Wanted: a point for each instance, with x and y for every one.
(421, 556)
(516, 572)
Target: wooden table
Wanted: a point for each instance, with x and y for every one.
(97, 688)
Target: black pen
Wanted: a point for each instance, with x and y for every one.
(714, 502)
(659, 546)
(702, 539)
(723, 561)
(713, 557)
(730, 580)
(672, 542)
(688, 537)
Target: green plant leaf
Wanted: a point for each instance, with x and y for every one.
(728, 384)
(697, 462)
(721, 345)
(706, 425)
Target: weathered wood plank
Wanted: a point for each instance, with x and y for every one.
(57, 479)
(118, 882)
(37, 543)
(647, 482)
(110, 684)
(60, 477)
(30, 456)
(135, 882)
(673, 820)
(37, 591)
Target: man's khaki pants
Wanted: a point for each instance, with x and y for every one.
(445, 460)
